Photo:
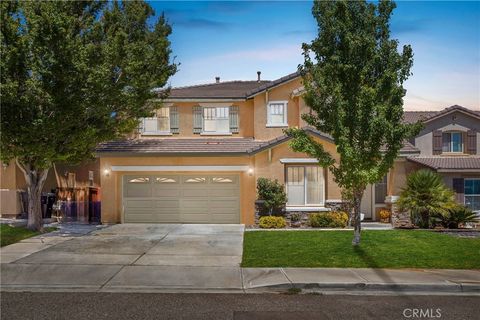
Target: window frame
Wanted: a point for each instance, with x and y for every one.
(450, 143)
(465, 195)
(383, 181)
(227, 119)
(305, 185)
(284, 103)
(157, 132)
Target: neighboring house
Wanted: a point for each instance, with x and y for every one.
(198, 160)
(75, 184)
(450, 145)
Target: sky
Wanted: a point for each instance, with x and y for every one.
(235, 39)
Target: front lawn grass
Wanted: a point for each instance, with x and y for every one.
(378, 249)
(9, 234)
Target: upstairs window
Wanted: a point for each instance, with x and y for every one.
(160, 124)
(277, 114)
(216, 120)
(452, 142)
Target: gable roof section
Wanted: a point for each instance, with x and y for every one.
(427, 116)
(452, 164)
(228, 89)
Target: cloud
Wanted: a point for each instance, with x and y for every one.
(277, 53)
(298, 33)
(408, 26)
(202, 23)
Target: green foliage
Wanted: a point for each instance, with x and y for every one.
(425, 196)
(353, 76)
(452, 218)
(273, 194)
(294, 217)
(271, 222)
(328, 219)
(75, 74)
(9, 234)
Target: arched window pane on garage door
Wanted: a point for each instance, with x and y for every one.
(139, 180)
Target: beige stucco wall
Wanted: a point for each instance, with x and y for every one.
(11, 180)
(274, 169)
(112, 184)
(280, 93)
(185, 113)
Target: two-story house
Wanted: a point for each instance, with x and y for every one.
(198, 160)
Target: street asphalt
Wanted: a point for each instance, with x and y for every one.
(119, 306)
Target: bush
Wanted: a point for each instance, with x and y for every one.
(270, 222)
(294, 217)
(328, 219)
(456, 216)
(273, 195)
(425, 196)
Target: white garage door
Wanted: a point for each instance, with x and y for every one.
(192, 198)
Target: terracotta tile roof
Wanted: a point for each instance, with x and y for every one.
(414, 116)
(205, 146)
(409, 148)
(228, 89)
(221, 90)
(172, 146)
(449, 163)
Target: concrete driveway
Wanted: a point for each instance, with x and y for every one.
(129, 256)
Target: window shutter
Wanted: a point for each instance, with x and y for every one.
(174, 120)
(197, 119)
(471, 142)
(459, 188)
(437, 141)
(234, 122)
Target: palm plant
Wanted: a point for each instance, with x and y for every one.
(425, 196)
(456, 216)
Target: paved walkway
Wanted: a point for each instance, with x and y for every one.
(185, 258)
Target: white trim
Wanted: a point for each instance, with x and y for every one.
(334, 201)
(180, 168)
(285, 114)
(459, 170)
(159, 133)
(298, 160)
(215, 133)
(219, 100)
(307, 209)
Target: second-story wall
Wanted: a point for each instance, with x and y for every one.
(456, 121)
(282, 92)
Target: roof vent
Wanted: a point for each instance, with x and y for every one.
(258, 75)
(217, 79)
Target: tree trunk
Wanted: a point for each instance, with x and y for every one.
(35, 180)
(357, 199)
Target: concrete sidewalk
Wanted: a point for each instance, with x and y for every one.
(149, 278)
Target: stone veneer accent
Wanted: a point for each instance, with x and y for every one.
(400, 219)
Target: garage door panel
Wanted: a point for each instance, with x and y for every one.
(190, 198)
(166, 192)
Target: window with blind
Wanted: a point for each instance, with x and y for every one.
(472, 193)
(277, 114)
(216, 120)
(452, 141)
(160, 124)
(305, 185)
(381, 190)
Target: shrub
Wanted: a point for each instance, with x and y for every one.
(271, 222)
(456, 216)
(273, 195)
(295, 217)
(425, 196)
(328, 219)
(384, 214)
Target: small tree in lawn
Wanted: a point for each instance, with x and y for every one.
(73, 74)
(353, 77)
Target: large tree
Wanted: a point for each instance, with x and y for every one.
(353, 75)
(73, 74)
